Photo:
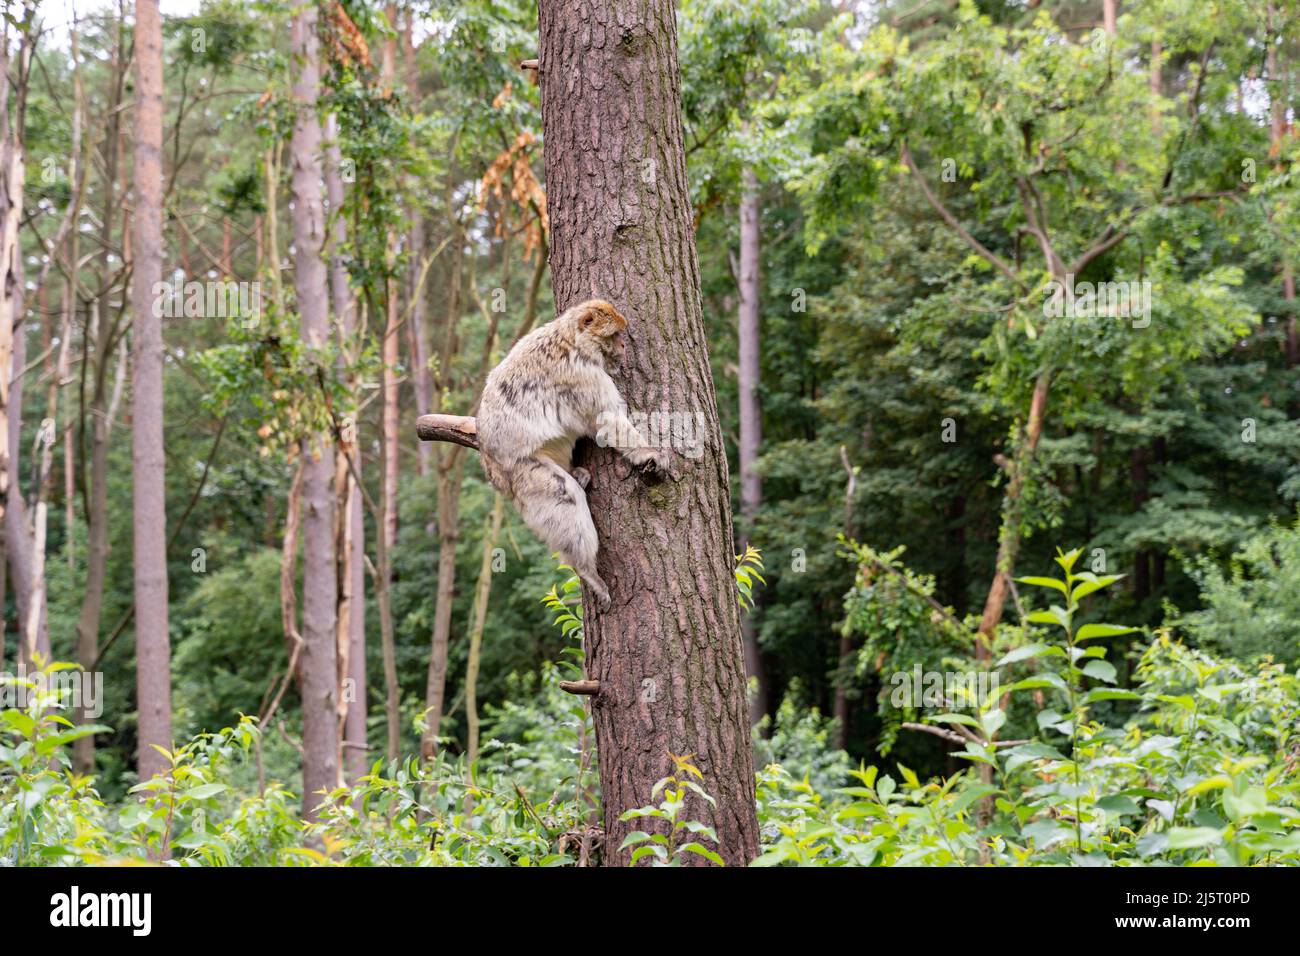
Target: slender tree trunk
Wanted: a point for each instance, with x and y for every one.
(449, 471)
(13, 77)
(320, 769)
(96, 521)
(491, 532)
(352, 557)
(667, 654)
(148, 486)
(24, 531)
(751, 414)
(1277, 132)
(1108, 16)
(844, 668)
(1139, 493)
(1013, 515)
(383, 596)
(97, 352)
(416, 330)
(450, 476)
(390, 351)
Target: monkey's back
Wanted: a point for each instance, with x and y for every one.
(531, 403)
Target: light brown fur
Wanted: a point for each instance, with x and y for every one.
(552, 389)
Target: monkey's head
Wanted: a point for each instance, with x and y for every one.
(600, 327)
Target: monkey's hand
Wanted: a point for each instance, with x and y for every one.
(653, 462)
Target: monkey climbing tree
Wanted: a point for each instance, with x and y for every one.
(665, 665)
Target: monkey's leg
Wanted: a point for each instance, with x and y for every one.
(554, 505)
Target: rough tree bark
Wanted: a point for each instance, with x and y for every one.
(751, 413)
(667, 654)
(320, 769)
(148, 486)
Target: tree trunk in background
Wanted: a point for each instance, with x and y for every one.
(844, 662)
(751, 415)
(148, 463)
(1108, 16)
(417, 332)
(352, 582)
(12, 178)
(1277, 110)
(481, 593)
(451, 473)
(668, 653)
(1013, 516)
(1139, 494)
(449, 469)
(24, 537)
(390, 351)
(99, 337)
(320, 770)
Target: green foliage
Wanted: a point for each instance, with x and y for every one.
(671, 848)
(799, 739)
(1252, 609)
(1201, 770)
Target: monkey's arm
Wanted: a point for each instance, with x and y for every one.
(613, 429)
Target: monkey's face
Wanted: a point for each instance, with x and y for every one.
(616, 348)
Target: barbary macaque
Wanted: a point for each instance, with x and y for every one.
(550, 390)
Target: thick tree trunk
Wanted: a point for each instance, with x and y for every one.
(751, 414)
(149, 520)
(668, 653)
(320, 769)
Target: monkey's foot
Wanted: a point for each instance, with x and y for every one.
(582, 476)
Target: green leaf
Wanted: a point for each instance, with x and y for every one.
(1100, 670)
(697, 848)
(649, 849)
(1045, 583)
(1102, 693)
(1022, 654)
(967, 797)
(1191, 838)
(633, 838)
(203, 791)
(1092, 583)
(1119, 804)
(1090, 631)
(1034, 683)
(966, 719)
